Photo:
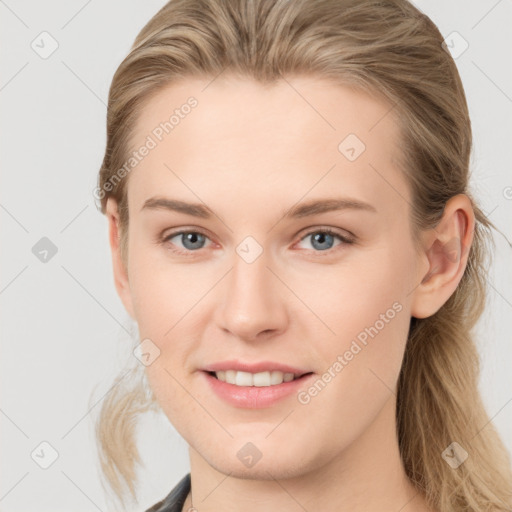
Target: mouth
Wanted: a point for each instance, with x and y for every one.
(265, 386)
(260, 379)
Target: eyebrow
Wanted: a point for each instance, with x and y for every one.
(306, 209)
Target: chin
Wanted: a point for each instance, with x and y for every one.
(262, 470)
(234, 459)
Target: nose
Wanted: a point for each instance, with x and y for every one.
(252, 306)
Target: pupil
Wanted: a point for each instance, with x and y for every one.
(321, 239)
(191, 239)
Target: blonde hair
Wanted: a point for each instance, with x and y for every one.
(388, 48)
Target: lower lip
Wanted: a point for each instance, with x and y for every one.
(255, 397)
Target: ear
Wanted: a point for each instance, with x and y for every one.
(120, 271)
(445, 251)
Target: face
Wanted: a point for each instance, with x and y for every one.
(297, 258)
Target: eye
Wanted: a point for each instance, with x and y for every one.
(323, 239)
(191, 240)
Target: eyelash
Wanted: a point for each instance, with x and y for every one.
(344, 239)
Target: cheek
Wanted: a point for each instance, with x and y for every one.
(355, 294)
(164, 292)
(367, 309)
(361, 361)
(180, 403)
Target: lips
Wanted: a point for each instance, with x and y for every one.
(262, 366)
(253, 396)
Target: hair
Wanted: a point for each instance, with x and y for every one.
(387, 48)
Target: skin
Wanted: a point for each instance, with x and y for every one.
(250, 152)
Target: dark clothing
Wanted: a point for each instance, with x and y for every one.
(174, 501)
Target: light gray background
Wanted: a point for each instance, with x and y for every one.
(63, 325)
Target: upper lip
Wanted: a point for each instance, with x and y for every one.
(262, 366)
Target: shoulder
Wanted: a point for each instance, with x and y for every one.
(174, 501)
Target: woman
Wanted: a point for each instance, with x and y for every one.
(286, 185)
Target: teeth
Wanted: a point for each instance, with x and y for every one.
(261, 379)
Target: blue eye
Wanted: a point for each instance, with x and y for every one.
(192, 241)
(322, 239)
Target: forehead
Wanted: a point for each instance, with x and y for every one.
(277, 142)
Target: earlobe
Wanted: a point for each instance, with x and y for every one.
(120, 270)
(447, 250)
